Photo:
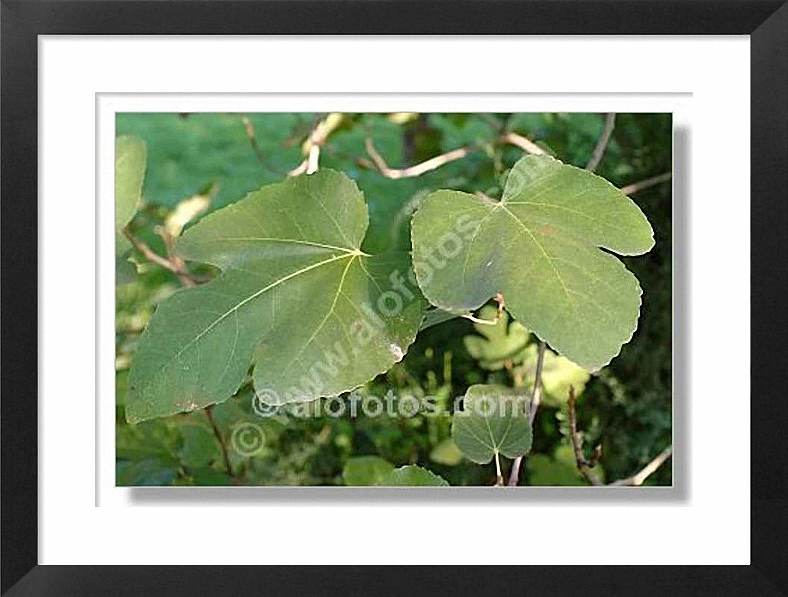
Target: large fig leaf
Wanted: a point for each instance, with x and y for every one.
(540, 247)
(296, 297)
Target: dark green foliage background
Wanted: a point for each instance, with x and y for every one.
(626, 407)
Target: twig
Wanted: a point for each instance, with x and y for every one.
(638, 478)
(312, 159)
(151, 255)
(635, 187)
(208, 413)
(481, 321)
(249, 127)
(418, 169)
(316, 139)
(537, 394)
(526, 145)
(536, 398)
(601, 144)
(583, 465)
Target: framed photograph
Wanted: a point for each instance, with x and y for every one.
(286, 283)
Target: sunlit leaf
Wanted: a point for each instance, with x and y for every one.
(446, 453)
(366, 470)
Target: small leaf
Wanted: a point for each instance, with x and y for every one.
(297, 298)
(366, 470)
(129, 174)
(540, 247)
(413, 476)
(199, 446)
(558, 373)
(493, 420)
(446, 453)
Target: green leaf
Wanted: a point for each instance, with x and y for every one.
(493, 420)
(297, 298)
(446, 453)
(414, 476)
(366, 470)
(211, 477)
(560, 469)
(540, 247)
(498, 343)
(199, 447)
(558, 373)
(147, 472)
(129, 174)
(435, 317)
(188, 153)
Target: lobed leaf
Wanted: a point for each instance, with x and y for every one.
(297, 299)
(539, 247)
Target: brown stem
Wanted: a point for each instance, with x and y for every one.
(635, 187)
(585, 466)
(225, 456)
(418, 169)
(601, 144)
(150, 254)
(536, 398)
(317, 137)
(526, 145)
(638, 478)
(174, 264)
(249, 128)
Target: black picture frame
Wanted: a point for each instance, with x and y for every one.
(766, 21)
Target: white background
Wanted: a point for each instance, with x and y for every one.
(83, 518)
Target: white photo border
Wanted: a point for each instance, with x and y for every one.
(155, 74)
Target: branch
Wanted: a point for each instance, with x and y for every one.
(644, 473)
(249, 128)
(313, 143)
(583, 465)
(418, 169)
(601, 144)
(225, 456)
(526, 145)
(536, 398)
(635, 187)
(154, 257)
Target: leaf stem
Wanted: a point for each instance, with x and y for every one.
(499, 474)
